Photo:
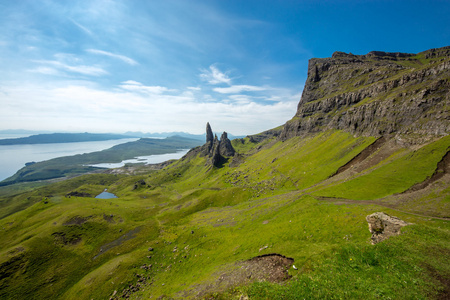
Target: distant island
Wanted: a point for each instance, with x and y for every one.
(53, 138)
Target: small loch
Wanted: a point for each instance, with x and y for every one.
(106, 195)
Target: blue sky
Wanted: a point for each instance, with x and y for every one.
(158, 66)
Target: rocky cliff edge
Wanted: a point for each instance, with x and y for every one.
(376, 94)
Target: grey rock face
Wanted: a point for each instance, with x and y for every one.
(217, 149)
(376, 94)
(383, 226)
(226, 148)
(209, 133)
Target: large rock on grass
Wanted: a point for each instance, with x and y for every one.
(383, 226)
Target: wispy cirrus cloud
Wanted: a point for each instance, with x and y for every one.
(238, 89)
(135, 86)
(52, 66)
(83, 28)
(214, 76)
(123, 58)
(44, 70)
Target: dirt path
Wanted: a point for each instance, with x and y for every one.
(340, 201)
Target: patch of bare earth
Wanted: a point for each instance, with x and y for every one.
(363, 155)
(372, 156)
(138, 169)
(443, 168)
(269, 267)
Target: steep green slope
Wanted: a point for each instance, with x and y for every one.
(395, 174)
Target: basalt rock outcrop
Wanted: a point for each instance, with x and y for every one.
(376, 94)
(217, 150)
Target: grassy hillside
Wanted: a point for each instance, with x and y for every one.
(193, 231)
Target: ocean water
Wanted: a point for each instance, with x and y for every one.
(14, 157)
(149, 159)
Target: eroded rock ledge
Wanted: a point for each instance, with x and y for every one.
(376, 94)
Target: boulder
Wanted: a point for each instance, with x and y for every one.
(383, 226)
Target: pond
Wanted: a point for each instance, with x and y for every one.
(106, 195)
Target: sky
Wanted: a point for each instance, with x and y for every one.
(173, 65)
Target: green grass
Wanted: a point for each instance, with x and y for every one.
(395, 269)
(391, 177)
(201, 221)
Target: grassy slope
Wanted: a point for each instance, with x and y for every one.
(393, 175)
(215, 217)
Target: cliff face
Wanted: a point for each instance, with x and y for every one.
(376, 94)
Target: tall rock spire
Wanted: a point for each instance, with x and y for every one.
(209, 133)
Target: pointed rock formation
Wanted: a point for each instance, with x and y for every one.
(226, 148)
(217, 149)
(209, 133)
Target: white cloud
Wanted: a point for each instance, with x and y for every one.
(241, 99)
(132, 82)
(135, 86)
(85, 107)
(86, 70)
(214, 76)
(117, 56)
(83, 28)
(194, 88)
(238, 89)
(81, 69)
(44, 70)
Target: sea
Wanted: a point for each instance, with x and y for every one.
(14, 157)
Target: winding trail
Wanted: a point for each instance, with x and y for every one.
(340, 201)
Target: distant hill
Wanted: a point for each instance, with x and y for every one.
(54, 138)
(177, 133)
(50, 138)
